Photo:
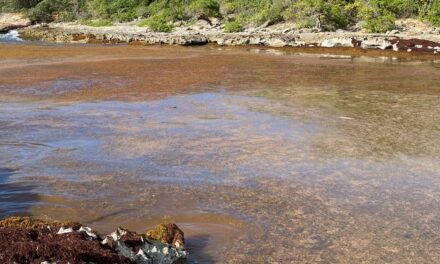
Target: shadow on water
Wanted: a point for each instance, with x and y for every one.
(104, 217)
(198, 254)
(15, 198)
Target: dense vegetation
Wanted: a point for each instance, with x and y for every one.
(159, 15)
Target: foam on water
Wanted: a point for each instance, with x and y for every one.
(11, 36)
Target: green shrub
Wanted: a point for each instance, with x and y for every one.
(248, 11)
(400, 8)
(97, 8)
(167, 9)
(120, 10)
(42, 12)
(378, 15)
(209, 8)
(48, 10)
(233, 26)
(161, 22)
(270, 13)
(141, 11)
(65, 16)
(123, 10)
(334, 15)
(19, 4)
(380, 24)
(143, 23)
(434, 13)
(328, 15)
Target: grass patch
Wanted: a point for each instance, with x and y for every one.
(233, 26)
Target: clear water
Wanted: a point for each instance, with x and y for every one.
(259, 156)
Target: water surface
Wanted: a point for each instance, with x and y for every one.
(259, 155)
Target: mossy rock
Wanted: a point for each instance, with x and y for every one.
(167, 233)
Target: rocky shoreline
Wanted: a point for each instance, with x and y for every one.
(409, 35)
(28, 240)
(205, 32)
(11, 21)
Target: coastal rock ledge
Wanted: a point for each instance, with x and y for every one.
(281, 35)
(10, 21)
(28, 240)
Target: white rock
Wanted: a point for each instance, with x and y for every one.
(142, 255)
(64, 231)
(376, 43)
(337, 42)
(88, 231)
(118, 234)
(276, 43)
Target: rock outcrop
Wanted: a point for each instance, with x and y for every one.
(10, 21)
(143, 250)
(281, 35)
(27, 240)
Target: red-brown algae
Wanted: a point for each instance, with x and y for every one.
(319, 158)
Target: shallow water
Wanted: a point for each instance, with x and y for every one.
(258, 155)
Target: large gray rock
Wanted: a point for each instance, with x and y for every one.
(345, 42)
(138, 248)
(376, 43)
(143, 250)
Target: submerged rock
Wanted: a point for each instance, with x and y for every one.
(28, 240)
